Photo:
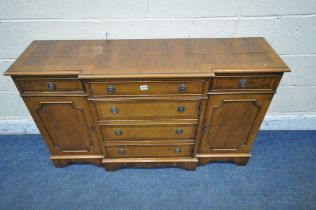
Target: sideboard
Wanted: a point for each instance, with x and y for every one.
(148, 103)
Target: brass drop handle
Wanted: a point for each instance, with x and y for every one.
(177, 150)
(181, 108)
(182, 88)
(121, 151)
(118, 132)
(243, 83)
(179, 131)
(51, 86)
(111, 89)
(114, 110)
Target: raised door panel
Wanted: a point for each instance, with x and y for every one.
(232, 122)
(65, 123)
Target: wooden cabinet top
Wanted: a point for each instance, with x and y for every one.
(147, 58)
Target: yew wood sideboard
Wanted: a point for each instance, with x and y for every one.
(148, 103)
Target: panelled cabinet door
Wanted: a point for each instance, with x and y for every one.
(232, 122)
(65, 123)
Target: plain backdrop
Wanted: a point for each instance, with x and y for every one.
(288, 25)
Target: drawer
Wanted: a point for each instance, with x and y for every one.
(149, 151)
(147, 132)
(269, 82)
(50, 85)
(145, 88)
(147, 109)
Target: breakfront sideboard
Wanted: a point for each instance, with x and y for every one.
(148, 103)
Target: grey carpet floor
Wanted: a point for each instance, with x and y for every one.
(280, 175)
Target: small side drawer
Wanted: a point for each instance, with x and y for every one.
(50, 85)
(268, 82)
(147, 132)
(149, 151)
(145, 88)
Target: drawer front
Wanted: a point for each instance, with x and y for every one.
(147, 109)
(145, 88)
(245, 82)
(148, 132)
(50, 85)
(149, 151)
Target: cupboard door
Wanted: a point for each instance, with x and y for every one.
(65, 123)
(232, 122)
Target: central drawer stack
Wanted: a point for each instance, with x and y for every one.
(147, 119)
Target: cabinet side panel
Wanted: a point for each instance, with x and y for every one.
(233, 122)
(65, 123)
